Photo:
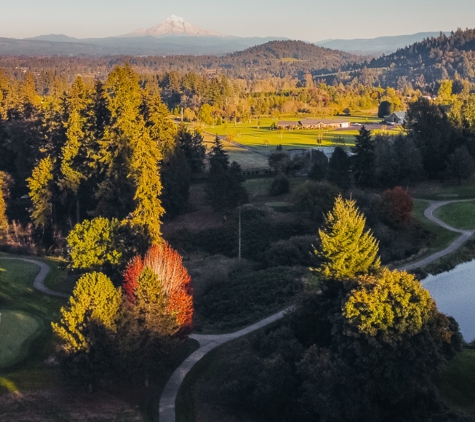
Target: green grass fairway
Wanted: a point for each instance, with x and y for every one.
(17, 330)
(457, 382)
(18, 295)
(459, 215)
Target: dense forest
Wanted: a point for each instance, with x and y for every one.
(432, 59)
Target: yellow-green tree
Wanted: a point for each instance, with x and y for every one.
(388, 305)
(347, 248)
(93, 244)
(95, 303)
(3, 207)
(40, 185)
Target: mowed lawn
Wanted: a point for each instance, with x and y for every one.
(459, 215)
(17, 331)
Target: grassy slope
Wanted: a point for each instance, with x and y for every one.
(458, 215)
(457, 382)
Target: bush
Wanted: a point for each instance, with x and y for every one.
(258, 233)
(249, 296)
(298, 250)
(316, 197)
(280, 185)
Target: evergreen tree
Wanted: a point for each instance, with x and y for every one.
(339, 168)
(346, 248)
(176, 179)
(41, 192)
(319, 166)
(156, 115)
(192, 146)
(224, 189)
(429, 126)
(460, 164)
(95, 300)
(76, 166)
(131, 185)
(87, 328)
(363, 160)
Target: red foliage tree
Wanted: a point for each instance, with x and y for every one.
(397, 206)
(131, 278)
(167, 264)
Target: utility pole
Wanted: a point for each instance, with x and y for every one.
(239, 244)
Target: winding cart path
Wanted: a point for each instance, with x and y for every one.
(39, 281)
(210, 341)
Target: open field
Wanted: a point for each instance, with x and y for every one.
(259, 135)
(459, 215)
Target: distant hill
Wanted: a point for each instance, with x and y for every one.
(54, 38)
(280, 57)
(53, 45)
(376, 46)
(432, 59)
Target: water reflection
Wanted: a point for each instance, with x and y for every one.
(454, 292)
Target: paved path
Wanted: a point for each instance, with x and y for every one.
(465, 235)
(210, 341)
(38, 282)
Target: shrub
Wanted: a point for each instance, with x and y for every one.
(280, 185)
(249, 296)
(316, 197)
(397, 206)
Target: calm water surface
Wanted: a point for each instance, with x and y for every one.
(454, 292)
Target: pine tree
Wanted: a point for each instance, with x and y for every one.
(346, 248)
(224, 189)
(192, 146)
(156, 115)
(363, 160)
(339, 168)
(76, 166)
(41, 185)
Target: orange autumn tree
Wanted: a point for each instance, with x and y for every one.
(172, 283)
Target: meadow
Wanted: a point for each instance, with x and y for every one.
(259, 135)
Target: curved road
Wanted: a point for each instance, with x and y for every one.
(38, 282)
(210, 341)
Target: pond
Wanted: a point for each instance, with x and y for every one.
(454, 292)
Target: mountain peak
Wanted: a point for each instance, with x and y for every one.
(175, 26)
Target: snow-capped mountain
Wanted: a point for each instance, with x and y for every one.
(175, 26)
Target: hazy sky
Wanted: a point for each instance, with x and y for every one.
(310, 20)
